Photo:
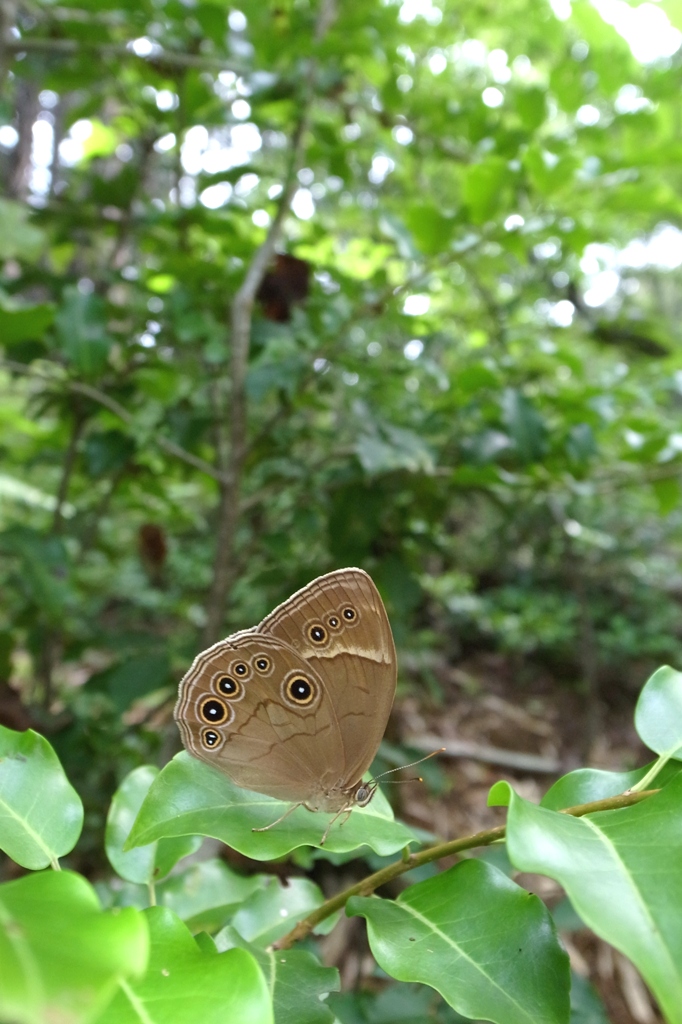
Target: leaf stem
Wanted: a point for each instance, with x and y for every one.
(656, 767)
(152, 894)
(54, 864)
(437, 852)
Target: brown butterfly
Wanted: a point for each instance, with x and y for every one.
(296, 707)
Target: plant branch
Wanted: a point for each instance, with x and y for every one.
(437, 852)
(241, 316)
(67, 470)
(232, 462)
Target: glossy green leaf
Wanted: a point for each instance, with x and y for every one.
(274, 909)
(658, 715)
(186, 984)
(60, 955)
(298, 982)
(143, 864)
(587, 784)
(191, 798)
(488, 946)
(206, 894)
(395, 1004)
(620, 870)
(41, 814)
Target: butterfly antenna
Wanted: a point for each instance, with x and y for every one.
(410, 765)
(402, 782)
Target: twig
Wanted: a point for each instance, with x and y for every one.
(368, 885)
(482, 752)
(67, 470)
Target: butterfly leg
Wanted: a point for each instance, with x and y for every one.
(344, 810)
(281, 818)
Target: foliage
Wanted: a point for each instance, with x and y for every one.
(470, 932)
(305, 284)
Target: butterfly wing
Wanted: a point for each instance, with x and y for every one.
(339, 627)
(252, 707)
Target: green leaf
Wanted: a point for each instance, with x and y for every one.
(620, 870)
(548, 171)
(398, 585)
(43, 568)
(667, 493)
(81, 330)
(394, 448)
(60, 955)
(393, 227)
(431, 230)
(101, 141)
(144, 864)
(297, 980)
(107, 451)
(133, 678)
(191, 798)
(41, 814)
(354, 522)
(474, 378)
(206, 894)
(395, 1004)
(187, 985)
(587, 784)
(580, 443)
(283, 375)
(483, 187)
(530, 106)
(25, 324)
(488, 946)
(586, 1006)
(658, 715)
(525, 425)
(19, 239)
(274, 909)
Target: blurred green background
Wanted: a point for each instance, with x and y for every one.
(461, 371)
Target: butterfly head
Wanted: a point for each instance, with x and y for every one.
(363, 793)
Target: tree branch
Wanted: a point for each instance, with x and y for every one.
(240, 338)
(414, 860)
